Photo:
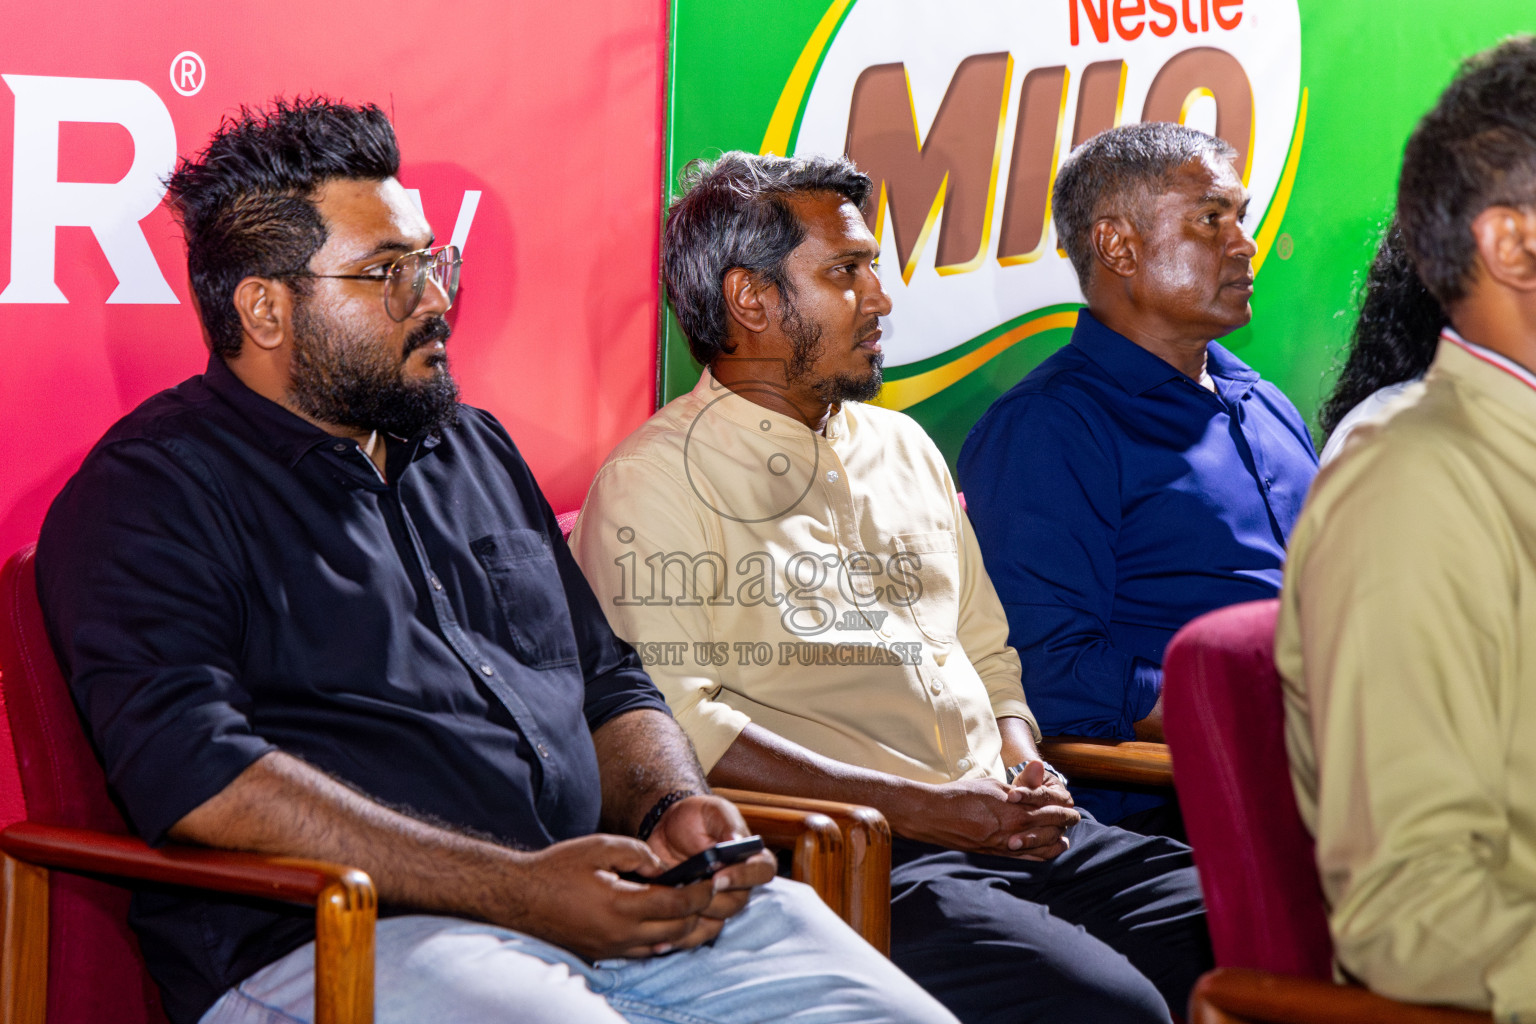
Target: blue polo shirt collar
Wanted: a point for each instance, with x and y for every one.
(1139, 371)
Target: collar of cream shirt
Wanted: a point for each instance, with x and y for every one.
(739, 407)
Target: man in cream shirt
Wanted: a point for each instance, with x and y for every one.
(797, 573)
(1407, 633)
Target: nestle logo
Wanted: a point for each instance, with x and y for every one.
(1129, 17)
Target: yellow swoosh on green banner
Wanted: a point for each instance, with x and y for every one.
(899, 394)
(782, 124)
(1270, 229)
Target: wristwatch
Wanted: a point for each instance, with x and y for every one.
(1012, 773)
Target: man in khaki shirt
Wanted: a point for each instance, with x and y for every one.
(1407, 634)
(796, 571)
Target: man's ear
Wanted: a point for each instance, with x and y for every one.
(1116, 244)
(266, 310)
(744, 299)
(1506, 245)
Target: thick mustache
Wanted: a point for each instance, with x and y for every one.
(431, 332)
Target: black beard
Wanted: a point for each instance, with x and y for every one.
(805, 346)
(342, 377)
(843, 388)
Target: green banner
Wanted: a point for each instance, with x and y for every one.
(961, 111)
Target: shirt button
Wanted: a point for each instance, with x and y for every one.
(543, 750)
(487, 670)
(937, 687)
(964, 764)
(338, 447)
(831, 476)
(437, 584)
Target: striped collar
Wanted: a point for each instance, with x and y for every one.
(1487, 355)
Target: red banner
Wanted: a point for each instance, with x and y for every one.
(531, 133)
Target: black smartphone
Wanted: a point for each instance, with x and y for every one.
(704, 863)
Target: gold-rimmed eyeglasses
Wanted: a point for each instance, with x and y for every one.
(405, 279)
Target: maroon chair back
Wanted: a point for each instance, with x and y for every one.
(1224, 723)
(95, 970)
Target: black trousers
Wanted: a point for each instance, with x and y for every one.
(1112, 930)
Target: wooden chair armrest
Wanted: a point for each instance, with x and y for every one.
(287, 879)
(1231, 995)
(866, 844)
(1097, 760)
(345, 903)
(813, 840)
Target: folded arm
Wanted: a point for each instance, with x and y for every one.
(981, 815)
(639, 499)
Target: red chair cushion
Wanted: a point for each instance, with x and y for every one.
(13, 807)
(1224, 723)
(95, 970)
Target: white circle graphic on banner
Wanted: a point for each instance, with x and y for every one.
(962, 112)
(188, 72)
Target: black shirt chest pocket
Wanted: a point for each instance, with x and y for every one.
(523, 576)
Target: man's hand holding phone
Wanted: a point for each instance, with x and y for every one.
(704, 864)
(688, 828)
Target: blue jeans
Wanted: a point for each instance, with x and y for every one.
(786, 957)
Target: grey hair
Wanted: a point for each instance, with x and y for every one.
(735, 212)
(1113, 171)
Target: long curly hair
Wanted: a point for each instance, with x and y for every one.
(1395, 335)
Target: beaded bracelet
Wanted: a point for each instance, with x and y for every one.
(653, 816)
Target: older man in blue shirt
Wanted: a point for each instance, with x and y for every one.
(1142, 474)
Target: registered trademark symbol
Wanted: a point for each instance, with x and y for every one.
(188, 73)
(1284, 246)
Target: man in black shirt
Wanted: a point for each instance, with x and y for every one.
(310, 605)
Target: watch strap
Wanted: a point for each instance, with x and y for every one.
(1013, 772)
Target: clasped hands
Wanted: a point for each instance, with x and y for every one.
(587, 908)
(1028, 819)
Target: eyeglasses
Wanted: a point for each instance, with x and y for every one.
(405, 279)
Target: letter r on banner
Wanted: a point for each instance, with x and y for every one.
(40, 202)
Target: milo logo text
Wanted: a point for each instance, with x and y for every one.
(962, 112)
